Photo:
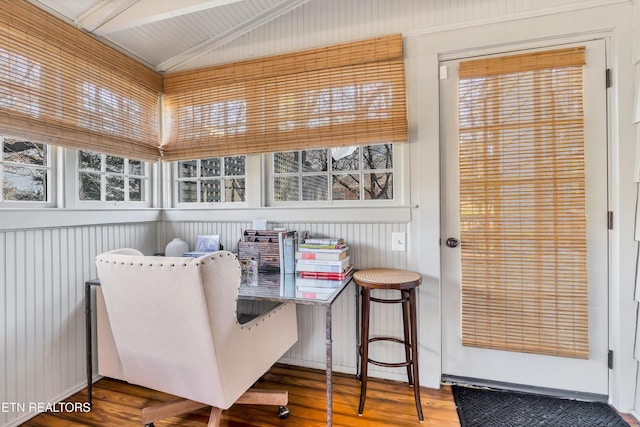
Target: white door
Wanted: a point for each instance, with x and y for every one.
(588, 375)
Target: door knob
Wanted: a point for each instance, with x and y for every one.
(451, 242)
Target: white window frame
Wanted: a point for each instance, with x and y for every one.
(223, 204)
(49, 167)
(400, 177)
(73, 181)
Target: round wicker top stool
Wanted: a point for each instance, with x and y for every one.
(406, 282)
(387, 278)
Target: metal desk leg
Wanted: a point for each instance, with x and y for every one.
(87, 314)
(329, 366)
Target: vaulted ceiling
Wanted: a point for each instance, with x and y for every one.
(168, 34)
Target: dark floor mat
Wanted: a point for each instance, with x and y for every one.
(497, 408)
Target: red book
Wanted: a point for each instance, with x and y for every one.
(326, 276)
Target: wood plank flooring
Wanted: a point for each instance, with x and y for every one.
(389, 403)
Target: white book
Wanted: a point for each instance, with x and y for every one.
(323, 250)
(322, 266)
(323, 241)
(317, 283)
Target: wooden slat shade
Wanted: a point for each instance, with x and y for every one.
(60, 86)
(340, 95)
(522, 204)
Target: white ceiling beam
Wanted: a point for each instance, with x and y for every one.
(102, 13)
(226, 37)
(148, 11)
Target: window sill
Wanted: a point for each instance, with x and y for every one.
(20, 219)
(398, 214)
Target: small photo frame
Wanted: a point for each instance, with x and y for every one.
(206, 243)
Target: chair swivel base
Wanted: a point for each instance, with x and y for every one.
(250, 397)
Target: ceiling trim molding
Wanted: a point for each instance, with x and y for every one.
(103, 13)
(144, 12)
(174, 63)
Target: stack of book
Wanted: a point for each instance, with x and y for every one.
(322, 263)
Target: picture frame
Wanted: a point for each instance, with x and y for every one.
(207, 243)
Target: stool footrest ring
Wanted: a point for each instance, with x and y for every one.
(389, 301)
(389, 364)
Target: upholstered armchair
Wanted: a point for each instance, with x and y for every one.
(174, 329)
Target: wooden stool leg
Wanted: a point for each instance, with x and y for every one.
(407, 340)
(364, 349)
(414, 352)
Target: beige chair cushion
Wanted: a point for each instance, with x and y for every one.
(175, 325)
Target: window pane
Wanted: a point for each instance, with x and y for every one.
(115, 188)
(24, 152)
(89, 186)
(210, 167)
(187, 191)
(210, 191)
(315, 187)
(346, 187)
(285, 162)
(377, 156)
(24, 184)
(378, 186)
(234, 166)
(90, 161)
(135, 167)
(135, 189)
(286, 188)
(314, 161)
(234, 190)
(188, 169)
(115, 164)
(345, 158)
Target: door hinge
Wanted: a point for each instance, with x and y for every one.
(608, 78)
(610, 359)
(610, 220)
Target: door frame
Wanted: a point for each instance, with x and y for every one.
(516, 48)
(423, 50)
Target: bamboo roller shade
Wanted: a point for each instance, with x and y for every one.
(60, 86)
(522, 204)
(352, 93)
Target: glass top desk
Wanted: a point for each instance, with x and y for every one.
(278, 287)
(272, 287)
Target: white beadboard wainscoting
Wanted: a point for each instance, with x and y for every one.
(45, 258)
(370, 246)
(42, 275)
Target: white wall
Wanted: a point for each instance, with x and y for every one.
(43, 267)
(612, 22)
(636, 120)
(460, 28)
(41, 301)
(369, 241)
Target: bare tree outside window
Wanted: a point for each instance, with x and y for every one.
(377, 158)
(352, 173)
(25, 170)
(212, 180)
(110, 178)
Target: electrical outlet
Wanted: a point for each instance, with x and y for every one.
(398, 242)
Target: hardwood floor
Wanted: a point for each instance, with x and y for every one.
(388, 403)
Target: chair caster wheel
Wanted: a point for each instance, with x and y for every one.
(283, 412)
(149, 425)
